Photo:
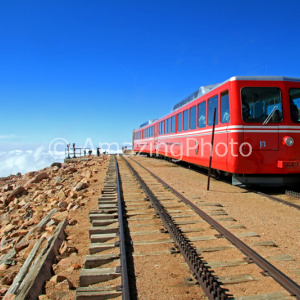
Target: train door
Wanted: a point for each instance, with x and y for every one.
(222, 147)
(262, 109)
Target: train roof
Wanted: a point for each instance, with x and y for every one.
(207, 88)
(148, 123)
(263, 78)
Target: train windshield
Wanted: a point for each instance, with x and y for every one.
(295, 104)
(261, 103)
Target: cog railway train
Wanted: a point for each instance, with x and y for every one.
(257, 130)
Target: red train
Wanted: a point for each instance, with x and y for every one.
(257, 130)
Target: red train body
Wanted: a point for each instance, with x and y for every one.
(257, 131)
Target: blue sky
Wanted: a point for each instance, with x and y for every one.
(98, 68)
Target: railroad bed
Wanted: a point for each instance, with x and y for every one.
(159, 224)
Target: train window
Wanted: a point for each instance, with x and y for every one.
(180, 122)
(186, 120)
(295, 104)
(225, 113)
(212, 104)
(169, 125)
(173, 124)
(261, 104)
(193, 117)
(202, 114)
(162, 127)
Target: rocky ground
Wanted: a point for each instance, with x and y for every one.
(71, 188)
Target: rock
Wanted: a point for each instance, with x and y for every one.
(63, 204)
(16, 192)
(74, 208)
(3, 291)
(55, 169)
(63, 248)
(64, 285)
(80, 186)
(73, 222)
(27, 251)
(36, 179)
(59, 216)
(71, 204)
(21, 232)
(40, 177)
(69, 170)
(56, 164)
(21, 245)
(73, 195)
(57, 179)
(9, 278)
(58, 278)
(50, 223)
(61, 195)
(3, 267)
(8, 228)
(7, 188)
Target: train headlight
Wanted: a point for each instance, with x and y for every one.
(289, 141)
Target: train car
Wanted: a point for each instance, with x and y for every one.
(257, 130)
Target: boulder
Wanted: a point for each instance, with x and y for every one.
(80, 186)
(36, 179)
(21, 245)
(56, 164)
(40, 177)
(16, 192)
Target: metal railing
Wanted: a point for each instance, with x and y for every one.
(77, 152)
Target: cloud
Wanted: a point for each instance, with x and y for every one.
(12, 162)
(9, 136)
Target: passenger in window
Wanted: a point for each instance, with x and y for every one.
(294, 110)
(257, 108)
(276, 116)
(245, 108)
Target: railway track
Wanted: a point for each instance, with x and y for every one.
(138, 258)
(287, 197)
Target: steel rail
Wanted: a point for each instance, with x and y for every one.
(124, 273)
(289, 193)
(292, 287)
(278, 199)
(201, 271)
